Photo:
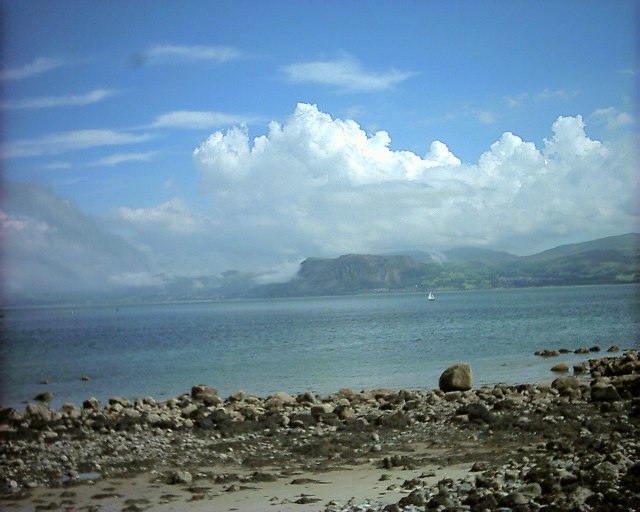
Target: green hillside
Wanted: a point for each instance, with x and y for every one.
(605, 261)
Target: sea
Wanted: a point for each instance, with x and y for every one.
(318, 344)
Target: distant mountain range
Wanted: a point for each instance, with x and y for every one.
(604, 261)
(609, 260)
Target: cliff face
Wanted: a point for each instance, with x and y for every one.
(356, 272)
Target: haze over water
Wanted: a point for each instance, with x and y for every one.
(317, 344)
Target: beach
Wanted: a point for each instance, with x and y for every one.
(569, 445)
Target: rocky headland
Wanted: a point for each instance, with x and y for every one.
(571, 445)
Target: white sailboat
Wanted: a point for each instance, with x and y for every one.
(431, 296)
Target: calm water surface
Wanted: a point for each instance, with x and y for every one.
(318, 344)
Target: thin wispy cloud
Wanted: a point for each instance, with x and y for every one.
(56, 166)
(172, 54)
(119, 158)
(612, 118)
(485, 116)
(546, 94)
(346, 73)
(57, 143)
(37, 67)
(67, 100)
(198, 119)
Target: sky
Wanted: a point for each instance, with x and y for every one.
(186, 138)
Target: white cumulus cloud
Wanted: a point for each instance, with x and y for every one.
(319, 185)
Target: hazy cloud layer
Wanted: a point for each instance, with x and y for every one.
(51, 246)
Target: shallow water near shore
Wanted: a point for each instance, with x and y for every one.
(317, 344)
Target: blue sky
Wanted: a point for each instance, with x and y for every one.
(193, 137)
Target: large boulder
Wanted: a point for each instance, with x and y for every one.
(458, 377)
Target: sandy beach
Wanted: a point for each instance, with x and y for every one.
(571, 445)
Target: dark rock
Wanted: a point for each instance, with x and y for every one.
(477, 413)
(38, 415)
(479, 466)
(180, 477)
(416, 498)
(46, 396)
(604, 392)
(206, 394)
(91, 403)
(564, 383)
(548, 353)
(119, 400)
(398, 420)
(458, 377)
(560, 367)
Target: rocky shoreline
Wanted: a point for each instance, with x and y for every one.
(571, 445)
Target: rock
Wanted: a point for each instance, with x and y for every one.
(10, 486)
(121, 401)
(458, 377)
(180, 477)
(38, 415)
(286, 398)
(580, 368)
(532, 490)
(560, 368)
(91, 403)
(477, 413)
(416, 498)
(547, 353)
(604, 392)
(236, 397)
(9, 415)
(279, 400)
(206, 394)
(45, 397)
(321, 409)
(563, 383)
(479, 466)
(613, 348)
(344, 412)
(346, 392)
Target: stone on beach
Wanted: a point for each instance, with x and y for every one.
(458, 377)
(46, 396)
(560, 368)
(206, 394)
